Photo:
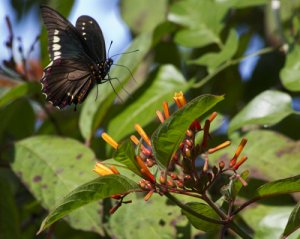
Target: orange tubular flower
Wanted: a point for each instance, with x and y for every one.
(134, 139)
(109, 140)
(102, 170)
(239, 163)
(238, 152)
(166, 109)
(205, 166)
(160, 116)
(220, 146)
(179, 99)
(142, 133)
(148, 196)
(114, 170)
(144, 170)
(212, 116)
(244, 183)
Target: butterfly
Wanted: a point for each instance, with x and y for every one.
(77, 58)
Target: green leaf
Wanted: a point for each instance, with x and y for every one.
(282, 186)
(24, 89)
(205, 210)
(202, 29)
(293, 223)
(213, 60)
(93, 111)
(290, 74)
(52, 166)
(11, 128)
(138, 17)
(268, 108)
(161, 30)
(267, 160)
(196, 37)
(156, 216)
(286, 14)
(265, 216)
(126, 155)
(94, 190)
(142, 110)
(244, 4)
(167, 137)
(9, 221)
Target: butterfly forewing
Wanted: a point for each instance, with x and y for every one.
(93, 36)
(63, 38)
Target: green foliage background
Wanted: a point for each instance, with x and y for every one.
(191, 46)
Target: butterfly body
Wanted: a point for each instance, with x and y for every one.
(78, 58)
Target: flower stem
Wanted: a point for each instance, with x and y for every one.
(228, 224)
(189, 210)
(214, 207)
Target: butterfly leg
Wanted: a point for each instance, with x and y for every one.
(109, 80)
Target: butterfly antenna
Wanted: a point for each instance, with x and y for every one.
(111, 42)
(127, 70)
(127, 52)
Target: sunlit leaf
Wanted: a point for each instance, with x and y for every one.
(290, 74)
(268, 108)
(282, 186)
(202, 29)
(213, 60)
(196, 37)
(293, 223)
(51, 167)
(265, 216)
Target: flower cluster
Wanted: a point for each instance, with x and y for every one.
(189, 171)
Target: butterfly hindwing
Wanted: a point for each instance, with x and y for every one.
(93, 36)
(66, 82)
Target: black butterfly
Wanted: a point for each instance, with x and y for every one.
(78, 58)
